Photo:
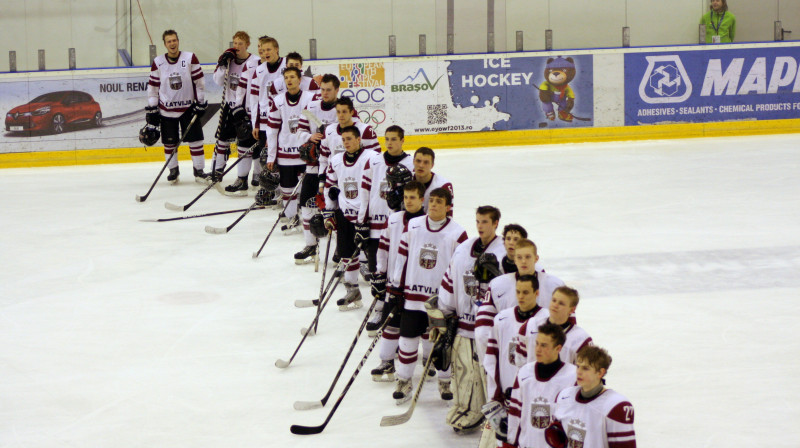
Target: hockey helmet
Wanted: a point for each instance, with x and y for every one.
(397, 176)
(317, 226)
(269, 180)
(149, 135)
(309, 152)
(264, 196)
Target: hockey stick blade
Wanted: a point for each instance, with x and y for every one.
(307, 430)
(304, 303)
(392, 420)
(216, 230)
(140, 198)
(305, 330)
(281, 364)
(306, 405)
(173, 207)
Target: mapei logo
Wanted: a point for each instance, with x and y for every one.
(665, 81)
(415, 82)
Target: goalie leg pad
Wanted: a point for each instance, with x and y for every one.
(469, 395)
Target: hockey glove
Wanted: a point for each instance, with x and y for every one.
(152, 116)
(330, 220)
(555, 436)
(226, 57)
(495, 413)
(395, 298)
(199, 109)
(333, 193)
(362, 232)
(378, 284)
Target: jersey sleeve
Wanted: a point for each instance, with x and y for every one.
(219, 75)
(447, 298)
(153, 85)
(514, 413)
(273, 126)
(369, 140)
(331, 180)
(198, 79)
(364, 194)
(382, 257)
(398, 277)
(491, 364)
(324, 154)
(484, 320)
(619, 426)
(521, 351)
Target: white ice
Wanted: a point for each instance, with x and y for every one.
(121, 333)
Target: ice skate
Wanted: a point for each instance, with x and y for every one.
(307, 255)
(469, 429)
(384, 373)
(292, 226)
(366, 275)
(201, 177)
(172, 177)
(237, 188)
(402, 392)
(351, 300)
(444, 389)
(376, 320)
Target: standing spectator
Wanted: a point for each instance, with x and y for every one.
(720, 23)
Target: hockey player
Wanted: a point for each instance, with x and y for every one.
(423, 166)
(424, 255)
(500, 294)
(473, 264)
(263, 76)
(589, 415)
(374, 209)
(284, 140)
(176, 94)
(499, 359)
(562, 311)
(324, 108)
(342, 203)
(332, 144)
(535, 390)
(307, 83)
(397, 225)
(511, 234)
(233, 63)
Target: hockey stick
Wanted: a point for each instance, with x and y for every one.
(303, 405)
(306, 430)
(202, 215)
(294, 193)
(221, 230)
(392, 420)
(174, 154)
(324, 269)
(183, 208)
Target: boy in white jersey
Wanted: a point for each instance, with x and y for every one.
(233, 62)
(511, 234)
(424, 158)
(332, 144)
(324, 108)
(589, 415)
(460, 289)
(425, 252)
(536, 387)
(562, 313)
(176, 94)
(307, 83)
(263, 76)
(284, 139)
(374, 209)
(342, 203)
(397, 225)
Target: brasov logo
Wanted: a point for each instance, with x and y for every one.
(665, 81)
(408, 84)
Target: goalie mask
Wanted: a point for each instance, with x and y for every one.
(149, 135)
(269, 180)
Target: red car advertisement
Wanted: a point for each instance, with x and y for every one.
(55, 112)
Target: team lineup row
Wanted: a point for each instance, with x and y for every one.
(498, 331)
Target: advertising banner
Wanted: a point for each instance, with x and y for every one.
(704, 86)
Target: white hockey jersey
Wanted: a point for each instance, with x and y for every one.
(307, 84)
(262, 80)
(236, 74)
(423, 257)
(281, 123)
(332, 143)
(531, 406)
(386, 258)
(438, 181)
(577, 338)
(605, 420)
(326, 115)
(346, 176)
(460, 289)
(174, 86)
(501, 370)
(373, 192)
(246, 81)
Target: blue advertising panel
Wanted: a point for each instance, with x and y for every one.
(530, 92)
(712, 85)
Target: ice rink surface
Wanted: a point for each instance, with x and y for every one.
(116, 332)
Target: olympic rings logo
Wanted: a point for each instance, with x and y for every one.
(376, 116)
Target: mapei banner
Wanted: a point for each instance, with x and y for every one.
(705, 86)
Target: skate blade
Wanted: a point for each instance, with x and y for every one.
(173, 182)
(202, 181)
(384, 378)
(292, 231)
(351, 306)
(372, 333)
(400, 401)
(235, 194)
(304, 261)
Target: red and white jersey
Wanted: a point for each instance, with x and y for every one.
(346, 176)
(577, 338)
(326, 114)
(307, 84)
(389, 244)
(501, 370)
(460, 288)
(246, 82)
(527, 339)
(437, 181)
(532, 404)
(262, 80)
(332, 143)
(604, 421)
(281, 123)
(423, 257)
(373, 192)
(236, 73)
(174, 86)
